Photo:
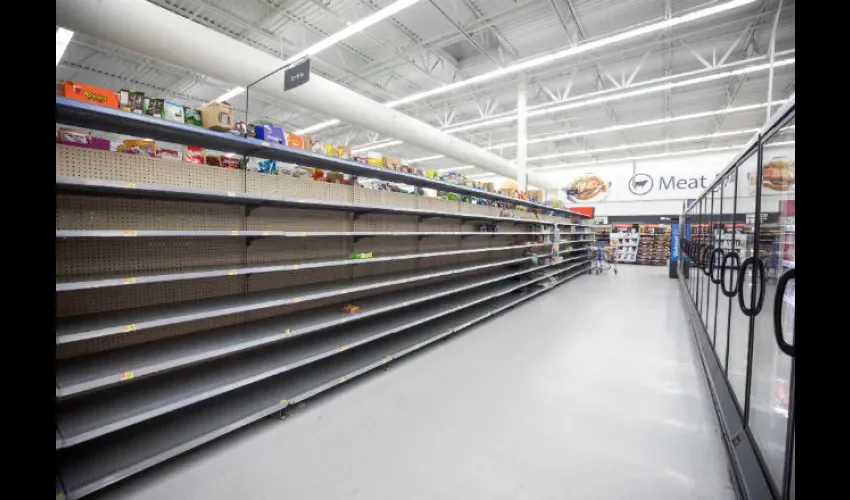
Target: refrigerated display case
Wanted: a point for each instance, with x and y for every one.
(740, 291)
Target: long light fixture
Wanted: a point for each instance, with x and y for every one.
(63, 38)
(230, 94)
(652, 156)
(581, 102)
(351, 29)
(648, 144)
(555, 56)
(625, 95)
(617, 128)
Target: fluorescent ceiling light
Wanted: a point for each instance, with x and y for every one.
(555, 56)
(624, 126)
(332, 40)
(378, 145)
(652, 156)
(63, 38)
(352, 29)
(230, 94)
(465, 167)
(318, 126)
(624, 95)
(649, 144)
(575, 50)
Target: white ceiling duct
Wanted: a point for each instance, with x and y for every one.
(143, 27)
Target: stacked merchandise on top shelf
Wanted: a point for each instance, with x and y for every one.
(654, 244)
(732, 234)
(624, 240)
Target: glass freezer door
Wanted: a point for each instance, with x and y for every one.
(773, 327)
(739, 321)
(728, 231)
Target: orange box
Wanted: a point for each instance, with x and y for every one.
(294, 141)
(90, 94)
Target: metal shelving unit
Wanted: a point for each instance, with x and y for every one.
(97, 463)
(193, 300)
(85, 115)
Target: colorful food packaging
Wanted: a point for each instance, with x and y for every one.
(90, 94)
(192, 116)
(194, 154)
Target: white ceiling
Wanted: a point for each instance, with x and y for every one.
(435, 42)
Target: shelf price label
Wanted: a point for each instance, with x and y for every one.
(126, 376)
(341, 380)
(131, 232)
(296, 300)
(131, 185)
(342, 348)
(232, 272)
(264, 233)
(287, 333)
(234, 233)
(130, 328)
(283, 401)
(343, 320)
(129, 281)
(231, 194)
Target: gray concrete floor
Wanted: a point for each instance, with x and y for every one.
(591, 391)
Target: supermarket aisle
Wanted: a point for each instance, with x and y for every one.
(590, 392)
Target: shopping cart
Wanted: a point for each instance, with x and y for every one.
(606, 259)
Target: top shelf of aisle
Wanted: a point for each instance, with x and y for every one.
(81, 114)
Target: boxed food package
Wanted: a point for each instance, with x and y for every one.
(144, 147)
(375, 159)
(192, 116)
(535, 195)
(488, 186)
(168, 154)
(294, 141)
(155, 107)
(81, 139)
(132, 101)
(334, 177)
(172, 111)
(313, 144)
(266, 167)
(213, 161)
(392, 163)
(229, 161)
(89, 94)
(194, 154)
(217, 116)
(269, 133)
(344, 152)
(331, 151)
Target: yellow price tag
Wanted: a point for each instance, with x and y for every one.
(131, 232)
(341, 348)
(264, 233)
(295, 266)
(126, 376)
(234, 233)
(342, 379)
(302, 233)
(296, 300)
(283, 401)
(131, 185)
(343, 320)
(129, 328)
(286, 333)
(129, 281)
(232, 272)
(344, 290)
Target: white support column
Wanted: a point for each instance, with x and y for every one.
(522, 136)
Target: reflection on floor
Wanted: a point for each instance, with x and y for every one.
(590, 392)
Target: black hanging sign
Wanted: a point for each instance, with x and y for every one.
(296, 75)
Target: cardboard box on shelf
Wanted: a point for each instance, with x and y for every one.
(488, 186)
(535, 195)
(313, 144)
(344, 152)
(217, 116)
(132, 101)
(392, 163)
(334, 177)
(173, 112)
(90, 94)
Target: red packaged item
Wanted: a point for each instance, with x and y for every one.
(229, 162)
(194, 154)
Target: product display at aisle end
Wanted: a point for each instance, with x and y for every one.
(654, 244)
(740, 296)
(196, 297)
(625, 242)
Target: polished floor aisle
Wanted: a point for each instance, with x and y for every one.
(591, 392)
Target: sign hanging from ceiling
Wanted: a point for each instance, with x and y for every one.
(296, 75)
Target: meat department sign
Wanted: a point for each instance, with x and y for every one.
(613, 185)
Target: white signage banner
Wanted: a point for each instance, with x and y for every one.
(601, 185)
